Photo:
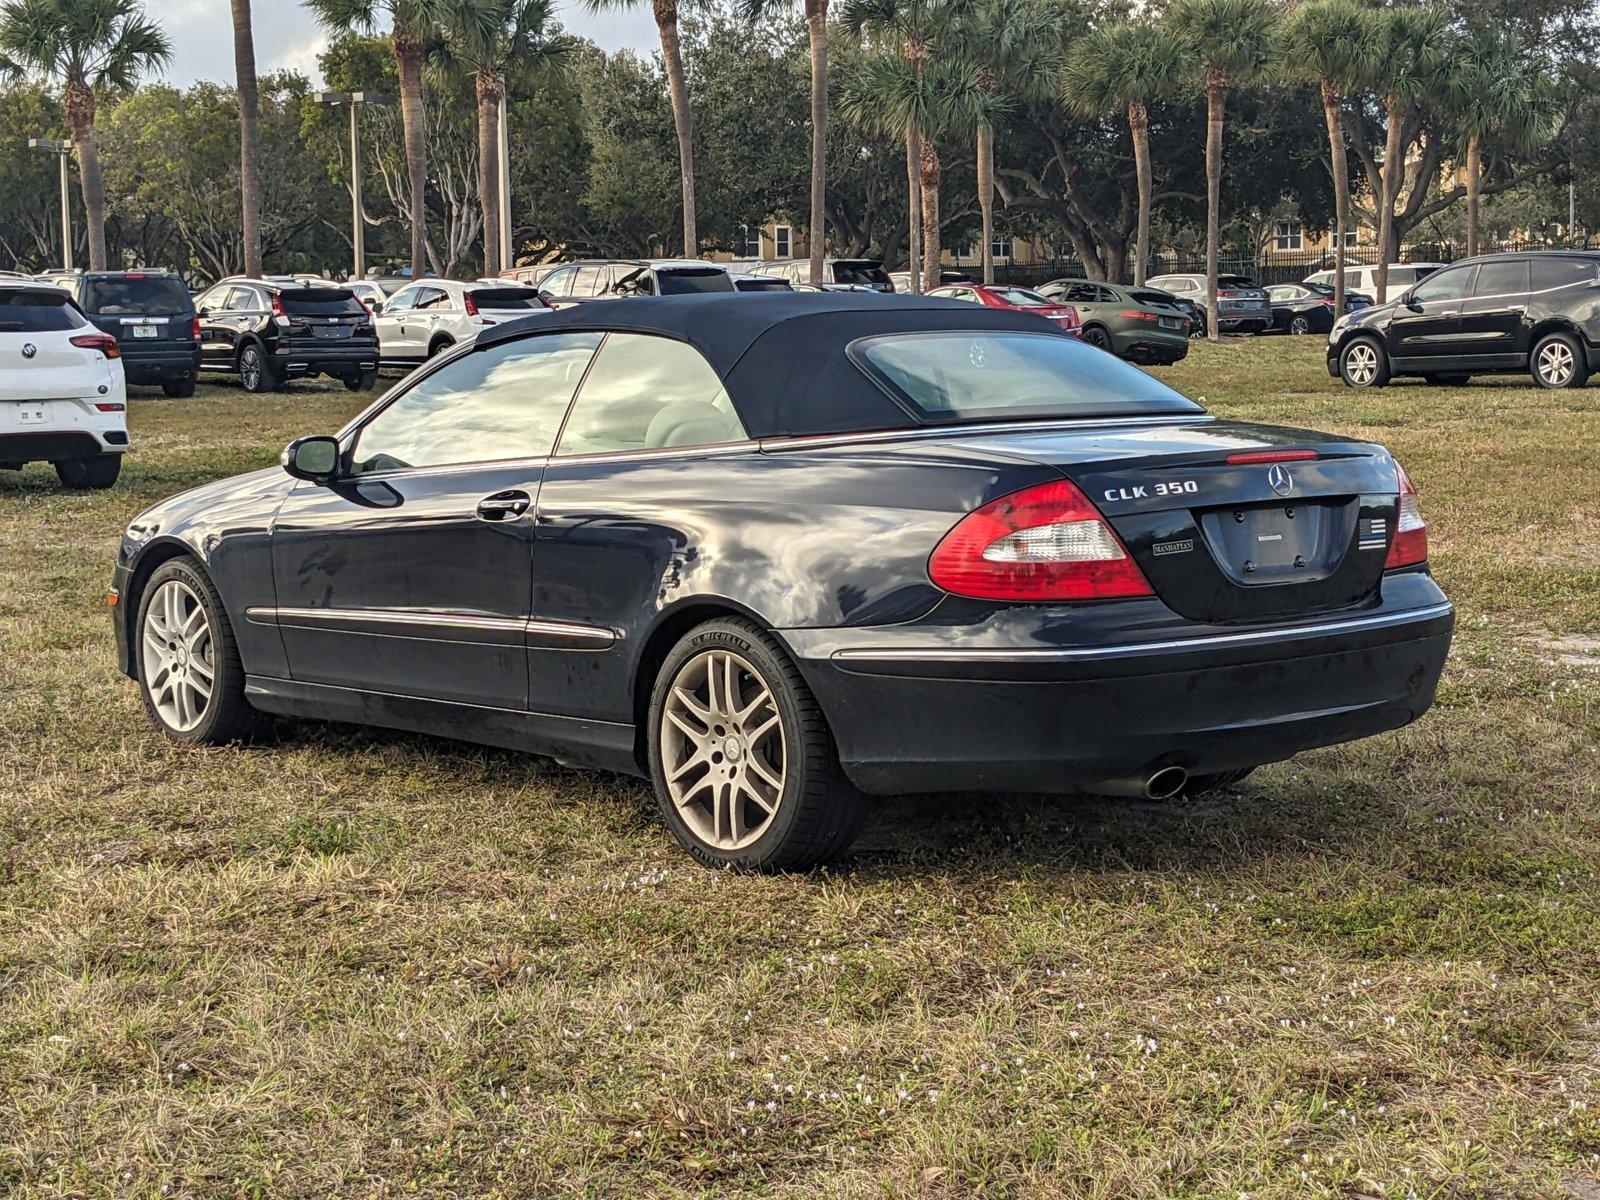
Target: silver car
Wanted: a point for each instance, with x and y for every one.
(1242, 306)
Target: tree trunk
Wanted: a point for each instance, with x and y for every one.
(489, 88)
(79, 103)
(1333, 113)
(1216, 100)
(1474, 189)
(682, 119)
(1388, 189)
(1139, 127)
(408, 65)
(986, 195)
(817, 36)
(913, 206)
(930, 175)
(244, 65)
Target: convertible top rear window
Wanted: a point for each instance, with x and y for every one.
(985, 375)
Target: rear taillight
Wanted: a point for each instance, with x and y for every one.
(113, 407)
(1138, 314)
(277, 307)
(472, 309)
(1226, 295)
(194, 328)
(1043, 543)
(102, 342)
(1410, 545)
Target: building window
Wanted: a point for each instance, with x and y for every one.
(782, 242)
(1000, 248)
(748, 244)
(1286, 235)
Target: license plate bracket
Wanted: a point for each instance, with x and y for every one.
(142, 331)
(1265, 544)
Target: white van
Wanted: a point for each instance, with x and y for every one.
(1365, 279)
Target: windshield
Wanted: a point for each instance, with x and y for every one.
(1235, 281)
(1022, 297)
(978, 376)
(864, 271)
(508, 299)
(148, 295)
(319, 302)
(687, 283)
(36, 310)
(1157, 298)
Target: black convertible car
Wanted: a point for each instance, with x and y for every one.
(779, 551)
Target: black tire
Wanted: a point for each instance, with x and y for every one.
(439, 346)
(93, 471)
(1299, 324)
(256, 371)
(1364, 372)
(179, 389)
(1095, 335)
(1199, 785)
(361, 381)
(1557, 361)
(227, 716)
(818, 813)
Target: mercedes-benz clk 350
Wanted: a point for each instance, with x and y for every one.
(782, 553)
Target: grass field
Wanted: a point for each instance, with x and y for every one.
(354, 963)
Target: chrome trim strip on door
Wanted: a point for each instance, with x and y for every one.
(980, 654)
(431, 625)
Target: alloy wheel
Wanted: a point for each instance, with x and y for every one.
(1361, 363)
(1556, 363)
(177, 654)
(723, 754)
(1299, 325)
(250, 369)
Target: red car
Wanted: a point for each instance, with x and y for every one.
(1017, 299)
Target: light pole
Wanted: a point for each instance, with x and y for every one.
(358, 240)
(64, 150)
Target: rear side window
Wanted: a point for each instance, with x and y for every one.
(982, 376)
(37, 310)
(648, 393)
(691, 282)
(1502, 278)
(859, 272)
(319, 302)
(502, 402)
(1560, 272)
(154, 296)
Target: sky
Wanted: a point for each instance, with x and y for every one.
(287, 37)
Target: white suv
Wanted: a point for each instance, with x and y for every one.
(431, 315)
(63, 399)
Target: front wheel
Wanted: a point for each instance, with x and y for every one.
(1363, 363)
(94, 471)
(256, 371)
(744, 767)
(1557, 362)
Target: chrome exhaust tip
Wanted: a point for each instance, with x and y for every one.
(1166, 783)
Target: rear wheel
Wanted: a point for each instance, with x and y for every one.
(439, 346)
(1363, 363)
(93, 471)
(1096, 335)
(1557, 362)
(360, 381)
(256, 372)
(744, 767)
(189, 671)
(1299, 323)
(179, 389)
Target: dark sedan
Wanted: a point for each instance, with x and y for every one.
(777, 552)
(1308, 307)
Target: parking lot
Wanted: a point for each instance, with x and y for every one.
(361, 961)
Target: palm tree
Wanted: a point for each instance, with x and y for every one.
(85, 45)
(666, 15)
(1411, 47)
(1010, 43)
(1232, 42)
(244, 64)
(1125, 68)
(496, 39)
(411, 21)
(1332, 43)
(1492, 92)
(817, 42)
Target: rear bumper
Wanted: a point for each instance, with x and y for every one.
(329, 359)
(916, 709)
(1154, 347)
(143, 364)
(57, 445)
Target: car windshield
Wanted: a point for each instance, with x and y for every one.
(988, 375)
(1157, 298)
(865, 271)
(1235, 281)
(1320, 289)
(508, 299)
(36, 310)
(1022, 297)
(691, 281)
(319, 302)
(150, 295)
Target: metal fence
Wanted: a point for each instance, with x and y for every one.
(1269, 266)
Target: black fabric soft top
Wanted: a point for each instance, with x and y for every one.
(781, 355)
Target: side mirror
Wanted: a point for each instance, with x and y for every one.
(203, 312)
(1412, 303)
(314, 458)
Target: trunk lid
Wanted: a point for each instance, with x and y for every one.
(1296, 523)
(323, 314)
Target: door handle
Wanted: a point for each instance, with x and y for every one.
(504, 506)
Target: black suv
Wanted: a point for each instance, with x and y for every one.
(1537, 312)
(271, 332)
(151, 316)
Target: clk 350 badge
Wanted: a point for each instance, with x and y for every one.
(1144, 491)
(1179, 547)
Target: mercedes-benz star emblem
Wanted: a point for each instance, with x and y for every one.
(1279, 479)
(29, 349)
